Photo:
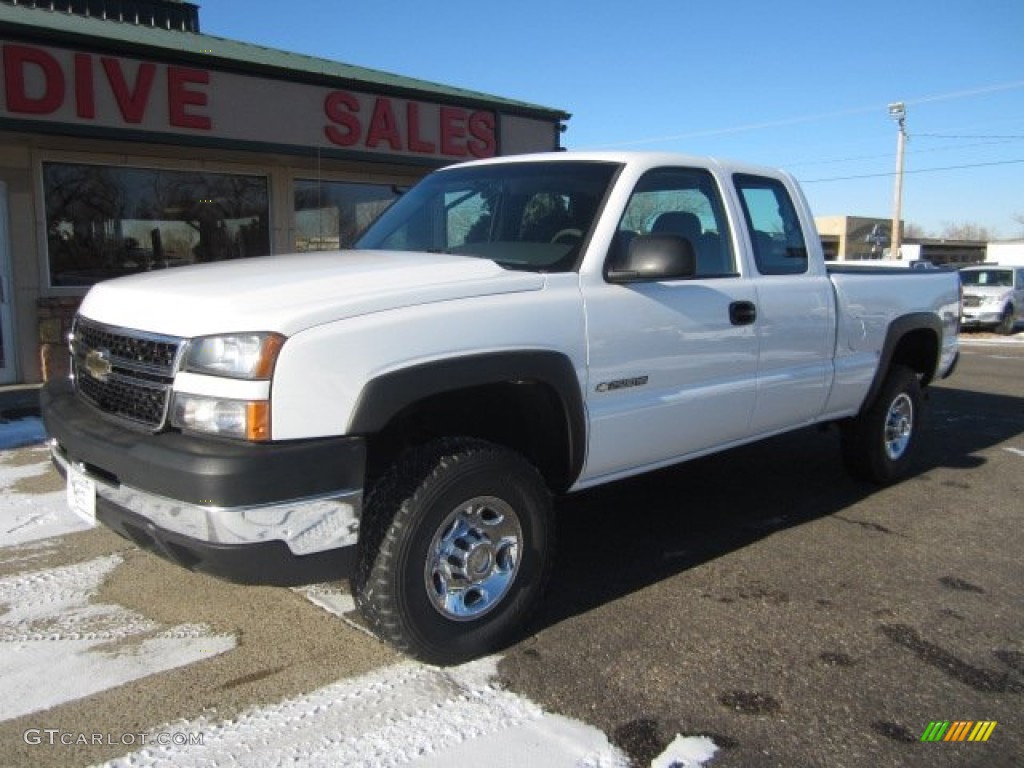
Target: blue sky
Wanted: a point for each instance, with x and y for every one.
(800, 85)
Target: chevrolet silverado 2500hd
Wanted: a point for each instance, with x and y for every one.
(508, 330)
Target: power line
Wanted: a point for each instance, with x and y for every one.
(969, 92)
(945, 136)
(816, 117)
(919, 170)
(914, 151)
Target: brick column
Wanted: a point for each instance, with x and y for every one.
(55, 316)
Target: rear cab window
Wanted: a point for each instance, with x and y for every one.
(773, 224)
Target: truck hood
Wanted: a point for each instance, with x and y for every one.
(291, 293)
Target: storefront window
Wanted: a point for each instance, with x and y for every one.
(330, 214)
(106, 221)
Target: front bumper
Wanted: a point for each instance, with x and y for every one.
(275, 513)
(971, 318)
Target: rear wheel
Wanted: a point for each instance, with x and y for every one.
(455, 551)
(880, 444)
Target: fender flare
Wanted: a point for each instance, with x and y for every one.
(897, 330)
(384, 397)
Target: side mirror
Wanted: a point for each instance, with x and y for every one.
(650, 258)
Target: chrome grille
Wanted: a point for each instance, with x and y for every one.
(123, 372)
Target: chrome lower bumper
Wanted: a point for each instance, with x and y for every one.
(306, 526)
(982, 318)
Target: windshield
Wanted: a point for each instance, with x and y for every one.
(1001, 278)
(531, 216)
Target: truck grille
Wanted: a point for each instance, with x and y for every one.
(125, 373)
(972, 301)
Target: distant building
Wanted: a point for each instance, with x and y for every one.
(1006, 252)
(943, 253)
(853, 238)
(859, 238)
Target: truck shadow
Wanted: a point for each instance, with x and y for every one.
(618, 539)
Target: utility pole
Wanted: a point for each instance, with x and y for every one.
(898, 112)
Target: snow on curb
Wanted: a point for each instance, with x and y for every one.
(987, 339)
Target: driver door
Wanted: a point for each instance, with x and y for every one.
(673, 364)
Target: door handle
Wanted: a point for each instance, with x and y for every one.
(742, 312)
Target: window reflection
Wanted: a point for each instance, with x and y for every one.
(108, 221)
(332, 214)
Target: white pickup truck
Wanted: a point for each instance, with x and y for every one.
(508, 330)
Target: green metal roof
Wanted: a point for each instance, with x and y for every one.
(219, 52)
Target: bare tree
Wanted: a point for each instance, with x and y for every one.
(1019, 219)
(966, 231)
(913, 231)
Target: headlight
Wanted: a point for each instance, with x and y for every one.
(245, 419)
(235, 355)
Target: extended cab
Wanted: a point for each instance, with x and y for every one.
(508, 330)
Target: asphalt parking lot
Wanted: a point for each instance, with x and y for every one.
(800, 618)
(759, 598)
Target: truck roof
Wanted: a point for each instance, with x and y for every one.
(637, 158)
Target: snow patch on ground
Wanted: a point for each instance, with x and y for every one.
(26, 517)
(57, 646)
(335, 600)
(686, 752)
(407, 714)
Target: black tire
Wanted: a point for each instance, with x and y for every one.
(1007, 324)
(880, 444)
(455, 551)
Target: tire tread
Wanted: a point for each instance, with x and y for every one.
(391, 513)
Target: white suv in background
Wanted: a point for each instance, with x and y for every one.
(993, 297)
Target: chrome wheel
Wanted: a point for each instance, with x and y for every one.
(473, 558)
(456, 547)
(880, 443)
(899, 426)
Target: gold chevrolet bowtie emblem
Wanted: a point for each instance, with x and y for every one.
(97, 363)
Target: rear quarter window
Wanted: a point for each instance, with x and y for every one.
(774, 227)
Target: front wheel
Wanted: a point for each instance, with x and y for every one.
(455, 551)
(1007, 323)
(880, 444)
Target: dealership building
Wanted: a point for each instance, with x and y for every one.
(130, 141)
